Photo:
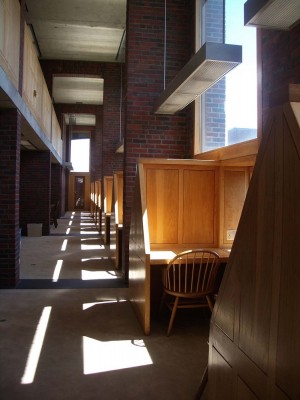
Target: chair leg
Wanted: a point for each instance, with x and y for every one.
(162, 302)
(172, 316)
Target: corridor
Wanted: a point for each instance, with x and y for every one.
(80, 339)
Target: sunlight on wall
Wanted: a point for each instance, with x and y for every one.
(36, 347)
(101, 356)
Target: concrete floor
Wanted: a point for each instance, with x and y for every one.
(86, 343)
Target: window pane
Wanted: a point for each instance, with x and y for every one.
(229, 109)
(80, 155)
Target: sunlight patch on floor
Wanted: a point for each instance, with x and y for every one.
(86, 306)
(64, 245)
(88, 232)
(99, 356)
(90, 275)
(94, 258)
(36, 347)
(92, 247)
(57, 270)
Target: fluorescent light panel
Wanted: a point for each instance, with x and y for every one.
(205, 68)
(275, 14)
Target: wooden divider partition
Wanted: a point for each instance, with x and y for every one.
(107, 209)
(92, 196)
(118, 215)
(254, 346)
(10, 39)
(96, 209)
(98, 204)
(179, 205)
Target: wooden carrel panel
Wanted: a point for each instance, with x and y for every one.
(162, 187)
(108, 192)
(199, 203)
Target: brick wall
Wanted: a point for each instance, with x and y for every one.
(106, 135)
(280, 62)
(147, 134)
(35, 189)
(10, 137)
(215, 122)
(113, 130)
(56, 185)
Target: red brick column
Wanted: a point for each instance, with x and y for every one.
(35, 189)
(10, 138)
(147, 134)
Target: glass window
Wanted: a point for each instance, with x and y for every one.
(80, 155)
(228, 111)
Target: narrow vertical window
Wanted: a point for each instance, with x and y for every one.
(228, 110)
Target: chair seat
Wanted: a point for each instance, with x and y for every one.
(190, 281)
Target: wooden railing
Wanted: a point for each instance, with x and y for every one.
(10, 39)
(35, 92)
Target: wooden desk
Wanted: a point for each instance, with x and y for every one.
(146, 285)
(162, 257)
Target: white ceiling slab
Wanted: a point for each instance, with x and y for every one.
(65, 42)
(80, 119)
(89, 30)
(73, 90)
(88, 12)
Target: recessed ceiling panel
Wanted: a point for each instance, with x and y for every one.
(105, 13)
(75, 42)
(80, 119)
(72, 90)
(90, 30)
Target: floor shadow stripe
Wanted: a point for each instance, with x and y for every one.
(70, 284)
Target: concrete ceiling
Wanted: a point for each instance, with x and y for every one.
(74, 90)
(89, 30)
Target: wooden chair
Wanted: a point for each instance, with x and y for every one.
(190, 281)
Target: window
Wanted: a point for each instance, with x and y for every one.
(228, 111)
(80, 155)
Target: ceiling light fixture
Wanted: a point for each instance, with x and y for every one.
(275, 14)
(203, 70)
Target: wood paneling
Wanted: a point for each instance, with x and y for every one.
(255, 324)
(10, 39)
(108, 192)
(162, 188)
(199, 216)
(182, 204)
(139, 255)
(118, 216)
(234, 185)
(222, 380)
(118, 197)
(36, 96)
